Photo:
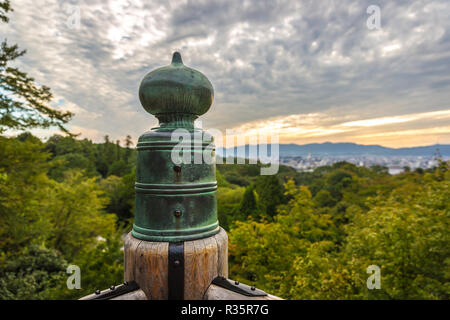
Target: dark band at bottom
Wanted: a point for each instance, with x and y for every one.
(176, 271)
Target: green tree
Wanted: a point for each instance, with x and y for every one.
(101, 265)
(118, 168)
(23, 103)
(128, 144)
(321, 274)
(407, 236)
(118, 151)
(120, 191)
(76, 213)
(23, 183)
(248, 206)
(270, 194)
(302, 255)
(59, 145)
(337, 182)
(324, 199)
(263, 253)
(228, 200)
(61, 164)
(32, 274)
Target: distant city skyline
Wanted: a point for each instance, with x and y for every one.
(395, 165)
(309, 71)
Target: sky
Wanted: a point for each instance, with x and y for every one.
(310, 71)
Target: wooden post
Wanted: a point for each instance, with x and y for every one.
(146, 263)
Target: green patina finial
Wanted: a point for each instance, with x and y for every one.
(176, 58)
(176, 197)
(176, 94)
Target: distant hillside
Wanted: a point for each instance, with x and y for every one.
(342, 149)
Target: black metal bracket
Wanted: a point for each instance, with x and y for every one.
(176, 271)
(238, 287)
(114, 291)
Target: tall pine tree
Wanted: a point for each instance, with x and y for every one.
(270, 193)
(248, 205)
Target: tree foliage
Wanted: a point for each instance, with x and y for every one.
(307, 252)
(32, 274)
(41, 218)
(23, 103)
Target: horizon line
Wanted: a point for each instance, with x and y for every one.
(329, 142)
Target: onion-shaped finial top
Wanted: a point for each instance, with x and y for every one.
(176, 94)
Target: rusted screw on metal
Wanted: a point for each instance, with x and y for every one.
(177, 213)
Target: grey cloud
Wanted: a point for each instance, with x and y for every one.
(264, 58)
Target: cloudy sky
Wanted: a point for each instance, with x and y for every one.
(313, 71)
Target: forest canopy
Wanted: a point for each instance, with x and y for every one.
(299, 235)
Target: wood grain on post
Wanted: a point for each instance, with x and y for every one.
(129, 248)
(147, 263)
